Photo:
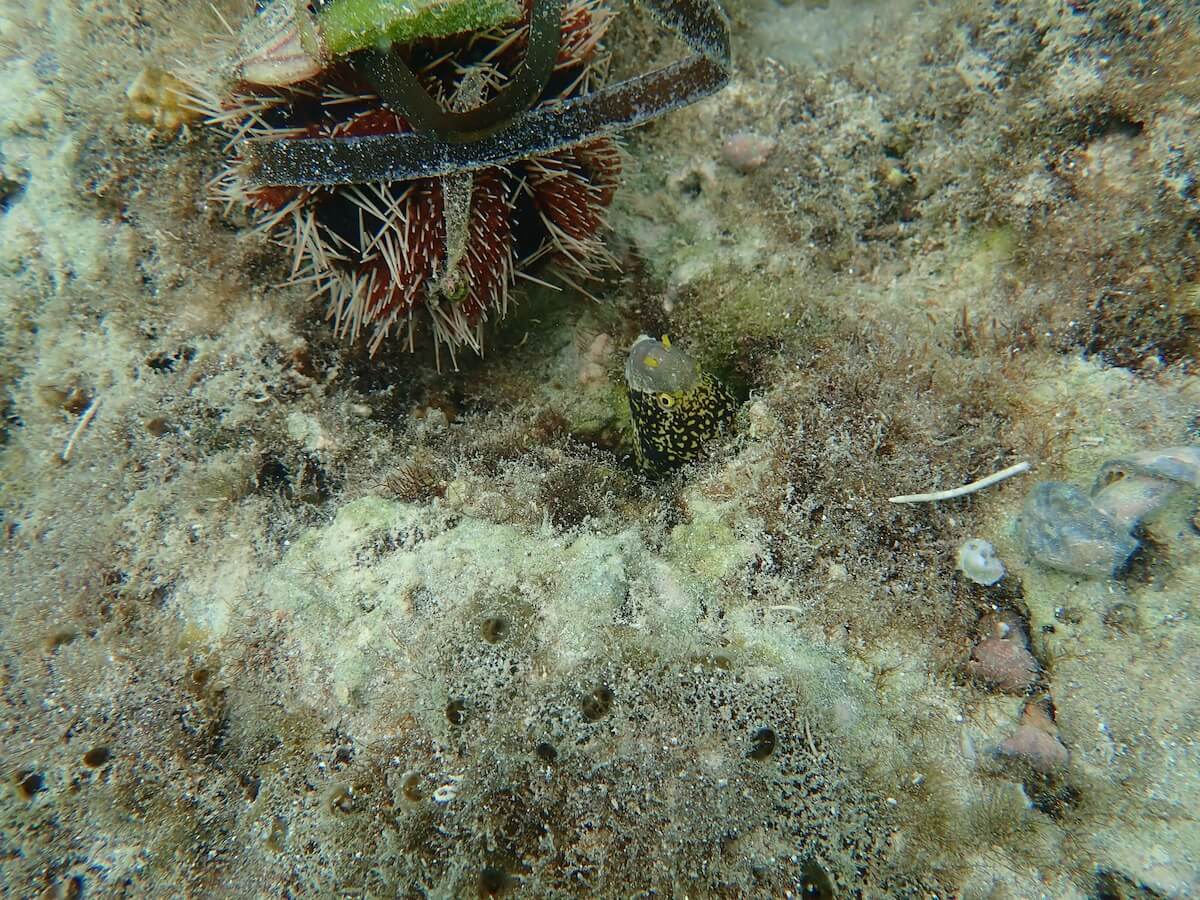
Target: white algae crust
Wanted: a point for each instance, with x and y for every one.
(284, 619)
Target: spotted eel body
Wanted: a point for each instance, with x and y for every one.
(676, 407)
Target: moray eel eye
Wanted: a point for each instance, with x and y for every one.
(666, 401)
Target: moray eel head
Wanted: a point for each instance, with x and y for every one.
(676, 406)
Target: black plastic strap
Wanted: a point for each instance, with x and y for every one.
(395, 157)
(399, 88)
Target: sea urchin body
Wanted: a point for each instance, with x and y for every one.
(450, 245)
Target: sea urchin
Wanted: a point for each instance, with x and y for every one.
(430, 173)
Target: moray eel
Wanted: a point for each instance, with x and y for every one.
(675, 406)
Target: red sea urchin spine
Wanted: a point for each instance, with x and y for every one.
(571, 191)
(406, 262)
(401, 258)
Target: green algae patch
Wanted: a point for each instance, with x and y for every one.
(996, 246)
(349, 25)
(597, 411)
(731, 312)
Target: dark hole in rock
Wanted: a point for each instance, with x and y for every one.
(597, 704)
(762, 744)
(815, 883)
(161, 362)
(29, 783)
(340, 799)
(493, 881)
(273, 476)
(10, 193)
(60, 637)
(96, 757)
(494, 629)
(158, 426)
(411, 787)
(691, 186)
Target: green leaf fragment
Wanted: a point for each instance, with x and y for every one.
(349, 25)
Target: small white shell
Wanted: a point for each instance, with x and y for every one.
(977, 560)
(273, 53)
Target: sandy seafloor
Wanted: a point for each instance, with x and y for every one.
(283, 620)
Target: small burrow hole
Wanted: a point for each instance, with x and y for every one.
(494, 629)
(762, 744)
(340, 799)
(456, 711)
(597, 704)
(59, 637)
(29, 783)
(410, 787)
(493, 881)
(96, 757)
(546, 752)
(158, 426)
(691, 185)
(815, 882)
(10, 193)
